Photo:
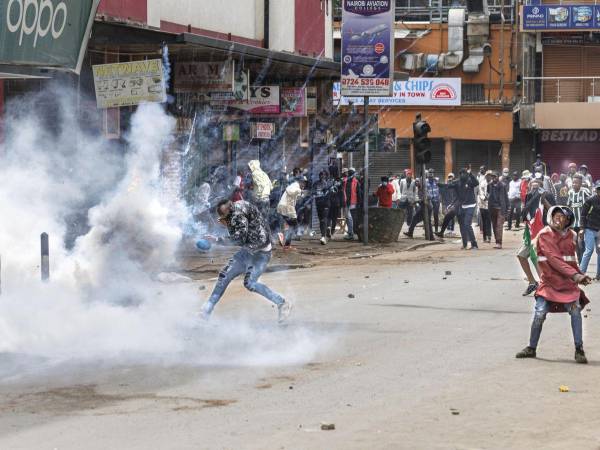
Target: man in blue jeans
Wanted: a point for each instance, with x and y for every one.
(247, 228)
(590, 225)
(466, 203)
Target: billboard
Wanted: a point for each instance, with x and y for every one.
(262, 100)
(130, 83)
(414, 91)
(204, 76)
(367, 47)
(46, 33)
(560, 17)
(293, 102)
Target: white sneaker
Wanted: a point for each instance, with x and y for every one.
(323, 240)
(312, 234)
(284, 311)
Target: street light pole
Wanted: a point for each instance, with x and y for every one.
(366, 176)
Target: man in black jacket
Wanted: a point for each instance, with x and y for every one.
(498, 206)
(466, 203)
(247, 228)
(590, 224)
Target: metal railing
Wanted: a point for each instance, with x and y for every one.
(560, 89)
(436, 10)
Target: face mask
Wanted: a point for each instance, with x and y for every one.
(385, 183)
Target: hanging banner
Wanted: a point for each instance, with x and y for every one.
(262, 100)
(367, 47)
(204, 77)
(414, 91)
(560, 17)
(293, 102)
(46, 33)
(128, 84)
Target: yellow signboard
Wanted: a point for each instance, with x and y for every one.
(130, 83)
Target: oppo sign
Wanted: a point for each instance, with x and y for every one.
(37, 17)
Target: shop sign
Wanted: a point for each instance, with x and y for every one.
(262, 100)
(130, 83)
(293, 102)
(367, 47)
(46, 33)
(241, 89)
(414, 91)
(231, 132)
(560, 17)
(263, 130)
(197, 76)
(570, 136)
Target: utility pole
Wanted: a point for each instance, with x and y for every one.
(366, 175)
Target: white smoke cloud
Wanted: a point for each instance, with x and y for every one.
(103, 301)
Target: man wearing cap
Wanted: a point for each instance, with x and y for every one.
(498, 206)
(590, 223)
(408, 195)
(587, 177)
(571, 173)
(560, 276)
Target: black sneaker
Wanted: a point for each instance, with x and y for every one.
(408, 235)
(530, 289)
(440, 235)
(527, 352)
(580, 356)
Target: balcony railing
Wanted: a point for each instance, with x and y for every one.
(437, 10)
(561, 89)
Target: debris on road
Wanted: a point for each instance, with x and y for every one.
(563, 388)
(327, 426)
(351, 296)
(448, 273)
(455, 412)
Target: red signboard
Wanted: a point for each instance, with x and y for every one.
(134, 10)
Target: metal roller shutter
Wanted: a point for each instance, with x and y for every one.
(559, 155)
(437, 158)
(477, 154)
(563, 61)
(381, 164)
(591, 69)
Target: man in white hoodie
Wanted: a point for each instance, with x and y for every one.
(287, 209)
(262, 187)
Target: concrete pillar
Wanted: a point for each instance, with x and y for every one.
(448, 160)
(506, 155)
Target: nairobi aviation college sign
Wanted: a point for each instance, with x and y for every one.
(414, 91)
(46, 33)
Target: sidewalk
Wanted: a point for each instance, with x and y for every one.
(307, 253)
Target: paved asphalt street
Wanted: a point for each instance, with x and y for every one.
(421, 358)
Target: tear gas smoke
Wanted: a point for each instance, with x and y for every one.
(105, 300)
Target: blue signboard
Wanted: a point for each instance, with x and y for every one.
(367, 47)
(560, 17)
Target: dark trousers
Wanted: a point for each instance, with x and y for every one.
(334, 215)
(448, 222)
(292, 229)
(409, 208)
(515, 213)
(436, 214)
(486, 224)
(323, 214)
(417, 218)
(465, 219)
(497, 216)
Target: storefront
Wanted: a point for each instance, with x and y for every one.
(559, 148)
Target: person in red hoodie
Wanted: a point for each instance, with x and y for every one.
(385, 193)
(558, 289)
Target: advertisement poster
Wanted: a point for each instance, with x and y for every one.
(386, 140)
(414, 91)
(560, 17)
(47, 33)
(293, 102)
(231, 132)
(263, 130)
(367, 47)
(261, 100)
(131, 83)
(204, 77)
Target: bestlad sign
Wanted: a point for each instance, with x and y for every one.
(46, 33)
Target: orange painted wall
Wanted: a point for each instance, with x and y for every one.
(436, 42)
(456, 123)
